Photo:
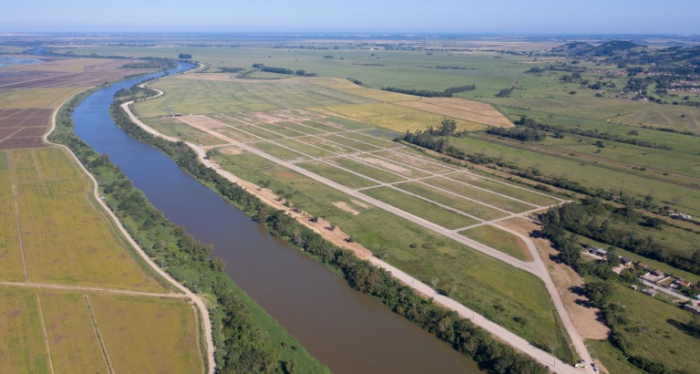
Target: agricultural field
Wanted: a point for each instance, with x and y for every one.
(22, 343)
(145, 334)
(11, 260)
(161, 333)
(501, 240)
(383, 161)
(66, 238)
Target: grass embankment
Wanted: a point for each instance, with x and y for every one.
(242, 344)
(461, 333)
(471, 277)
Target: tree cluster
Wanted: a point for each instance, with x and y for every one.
(594, 219)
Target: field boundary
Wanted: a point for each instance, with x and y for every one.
(105, 355)
(19, 221)
(43, 328)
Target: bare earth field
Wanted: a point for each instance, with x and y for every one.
(29, 93)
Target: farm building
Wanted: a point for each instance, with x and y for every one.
(650, 291)
(625, 260)
(598, 251)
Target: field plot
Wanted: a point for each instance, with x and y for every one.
(501, 240)
(326, 144)
(414, 159)
(307, 149)
(66, 239)
(338, 175)
(503, 188)
(420, 208)
(280, 152)
(176, 128)
(497, 201)
(11, 261)
(22, 127)
(464, 205)
(393, 116)
(22, 343)
(394, 167)
(147, 334)
(72, 339)
(467, 110)
(368, 170)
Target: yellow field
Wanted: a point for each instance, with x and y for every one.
(36, 97)
(370, 93)
(22, 344)
(148, 335)
(467, 110)
(63, 66)
(393, 117)
(72, 338)
(11, 261)
(66, 239)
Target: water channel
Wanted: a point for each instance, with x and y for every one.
(344, 329)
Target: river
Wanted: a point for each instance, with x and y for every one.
(347, 331)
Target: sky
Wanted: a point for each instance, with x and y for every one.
(452, 16)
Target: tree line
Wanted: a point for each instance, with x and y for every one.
(461, 333)
(277, 70)
(449, 92)
(558, 130)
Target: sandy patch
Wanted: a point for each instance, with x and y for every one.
(361, 203)
(565, 279)
(342, 205)
(231, 150)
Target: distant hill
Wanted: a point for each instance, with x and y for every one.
(607, 49)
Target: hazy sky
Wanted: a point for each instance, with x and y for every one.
(495, 16)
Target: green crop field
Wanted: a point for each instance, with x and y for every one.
(148, 334)
(11, 261)
(499, 239)
(66, 238)
(22, 343)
